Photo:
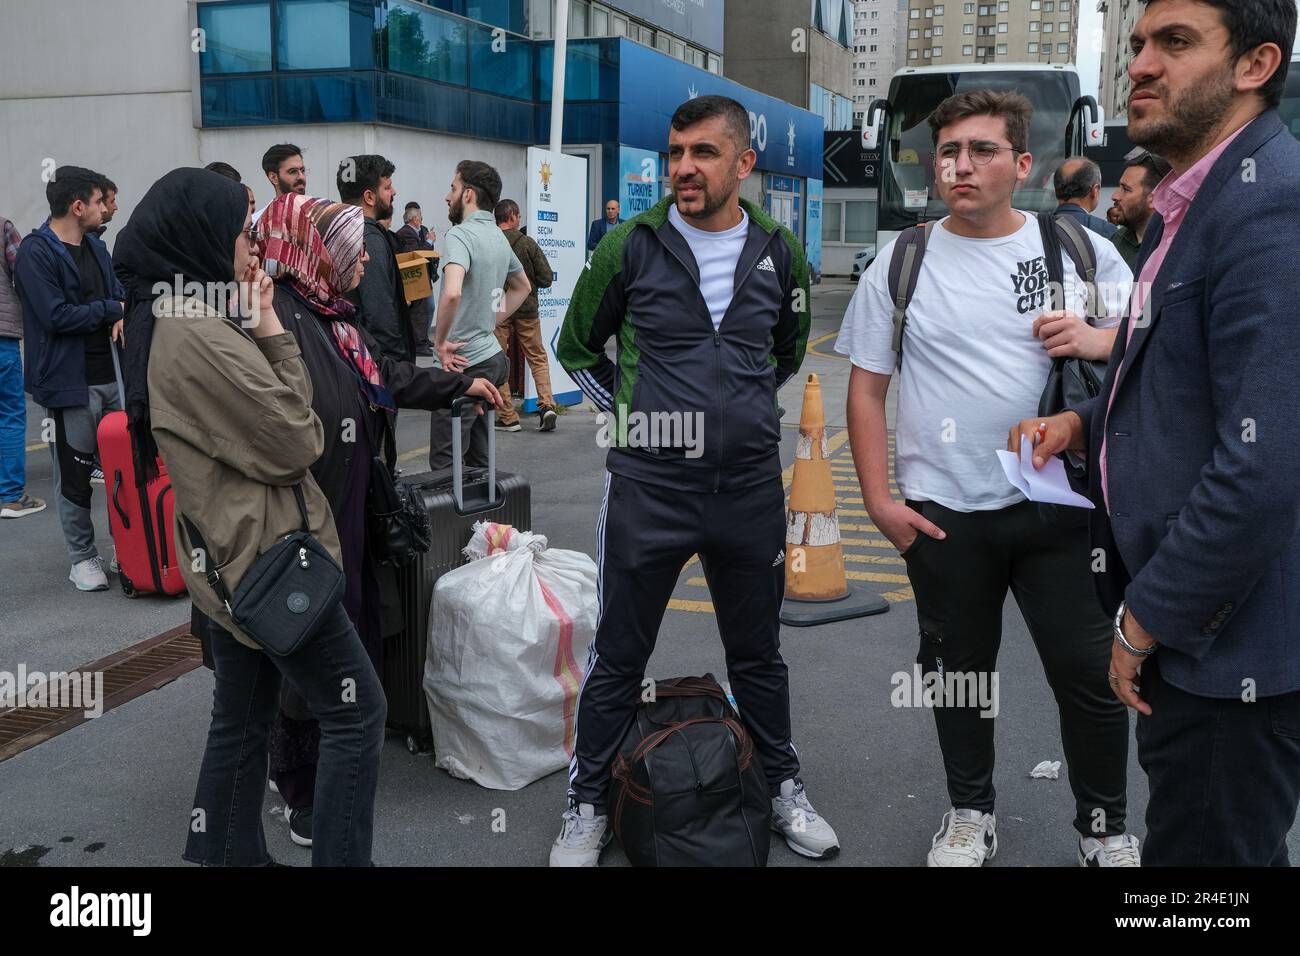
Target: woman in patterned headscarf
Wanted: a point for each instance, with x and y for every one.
(313, 249)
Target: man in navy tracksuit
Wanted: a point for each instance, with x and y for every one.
(710, 302)
(72, 312)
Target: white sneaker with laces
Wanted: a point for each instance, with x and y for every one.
(805, 830)
(581, 838)
(1119, 850)
(966, 838)
(89, 575)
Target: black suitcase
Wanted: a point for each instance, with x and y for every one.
(454, 502)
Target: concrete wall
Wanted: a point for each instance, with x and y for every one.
(831, 66)
(98, 83)
(759, 50)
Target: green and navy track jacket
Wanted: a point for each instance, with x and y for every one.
(676, 375)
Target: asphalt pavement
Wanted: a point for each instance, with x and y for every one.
(118, 789)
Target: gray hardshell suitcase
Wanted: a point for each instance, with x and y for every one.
(454, 503)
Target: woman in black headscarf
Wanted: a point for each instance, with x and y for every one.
(227, 398)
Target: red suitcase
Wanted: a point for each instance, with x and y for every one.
(139, 517)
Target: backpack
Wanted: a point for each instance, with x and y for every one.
(909, 250)
(687, 787)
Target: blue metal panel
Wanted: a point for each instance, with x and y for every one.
(652, 85)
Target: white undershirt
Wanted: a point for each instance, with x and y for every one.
(717, 254)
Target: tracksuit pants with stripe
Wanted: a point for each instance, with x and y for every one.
(645, 535)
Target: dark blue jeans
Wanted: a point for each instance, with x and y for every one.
(13, 421)
(334, 674)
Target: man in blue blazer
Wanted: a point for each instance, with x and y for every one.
(1193, 443)
(602, 226)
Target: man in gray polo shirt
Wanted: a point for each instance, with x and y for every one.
(482, 283)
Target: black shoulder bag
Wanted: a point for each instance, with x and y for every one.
(1071, 381)
(288, 591)
(397, 525)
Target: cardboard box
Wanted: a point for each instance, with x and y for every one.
(414, 268)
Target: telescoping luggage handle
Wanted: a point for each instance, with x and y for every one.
(457, 461)
(117, 372)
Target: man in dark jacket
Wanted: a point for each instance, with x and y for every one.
(709, 299)
(602, 227)
(72, 313)
(1193, 443)
(525, 323)
(367, 181)
(1131, 203)
(1078, 190)
(413, 237)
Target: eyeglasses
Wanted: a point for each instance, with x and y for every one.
(981, 154)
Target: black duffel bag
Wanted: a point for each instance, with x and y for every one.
(688, 789)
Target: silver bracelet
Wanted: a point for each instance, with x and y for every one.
(1119, 635)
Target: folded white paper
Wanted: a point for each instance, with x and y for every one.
(1050, 485)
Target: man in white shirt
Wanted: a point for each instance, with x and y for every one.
(978, 343)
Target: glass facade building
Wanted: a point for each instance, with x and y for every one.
(430, 66)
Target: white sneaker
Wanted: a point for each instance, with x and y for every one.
(89, 575)
(581, 838)
(546, 421)
(805, 831)
(1118, 850)
(24, 506)
(966, 838)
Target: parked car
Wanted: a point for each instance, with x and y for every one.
(866, 255)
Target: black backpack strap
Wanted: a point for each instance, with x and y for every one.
(1063, 233)
(904, 271)
(1051, 236)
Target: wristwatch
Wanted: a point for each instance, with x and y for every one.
(1119, 635)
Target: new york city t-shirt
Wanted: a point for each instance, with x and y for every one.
(972, 367)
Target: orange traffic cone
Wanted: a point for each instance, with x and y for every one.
(816, 588)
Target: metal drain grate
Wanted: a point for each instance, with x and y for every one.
(127, 675)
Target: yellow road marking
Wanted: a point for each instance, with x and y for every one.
(701, 607)
(873, 559)
(868, 542)
(876, 577)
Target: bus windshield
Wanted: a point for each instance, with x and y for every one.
(907, 192)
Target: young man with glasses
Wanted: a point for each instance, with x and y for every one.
(978, 342)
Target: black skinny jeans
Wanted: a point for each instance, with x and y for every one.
(334, 674)
(1042, 555)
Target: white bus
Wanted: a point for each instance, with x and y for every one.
(1063, 124)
